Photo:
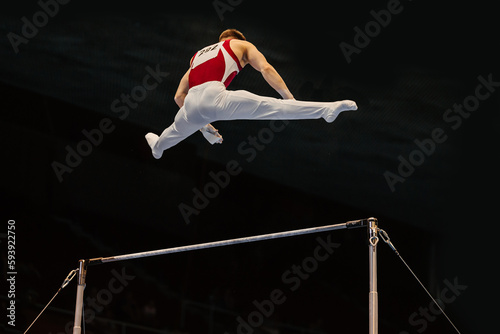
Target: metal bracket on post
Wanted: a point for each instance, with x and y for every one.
(82, 273)
(373, 296)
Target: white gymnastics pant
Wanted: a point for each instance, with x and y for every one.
(210, 102)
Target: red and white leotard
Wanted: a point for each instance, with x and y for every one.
(216, 62)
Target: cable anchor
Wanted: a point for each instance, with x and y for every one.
(385, 237)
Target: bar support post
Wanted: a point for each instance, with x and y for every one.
(372, 262)
(82, 273)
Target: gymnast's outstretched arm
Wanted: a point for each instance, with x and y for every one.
(251, 55)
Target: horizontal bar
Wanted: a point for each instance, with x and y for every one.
(347, 225)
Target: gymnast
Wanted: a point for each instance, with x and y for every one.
(202, 96)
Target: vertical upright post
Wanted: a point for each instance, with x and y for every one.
(373, 297)
(82, 273)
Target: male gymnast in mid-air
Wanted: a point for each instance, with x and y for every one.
(202, 96)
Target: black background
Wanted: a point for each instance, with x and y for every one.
(119, 199)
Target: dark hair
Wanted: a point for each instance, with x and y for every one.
(232, 33)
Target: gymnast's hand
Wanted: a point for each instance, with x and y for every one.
(211, 134)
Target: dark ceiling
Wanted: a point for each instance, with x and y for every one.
(418, 155)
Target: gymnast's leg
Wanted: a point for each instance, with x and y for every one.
(245, 105)
(215, 103)
(182, 127)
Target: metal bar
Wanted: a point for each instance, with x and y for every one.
(84, 263)
(349, 224)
